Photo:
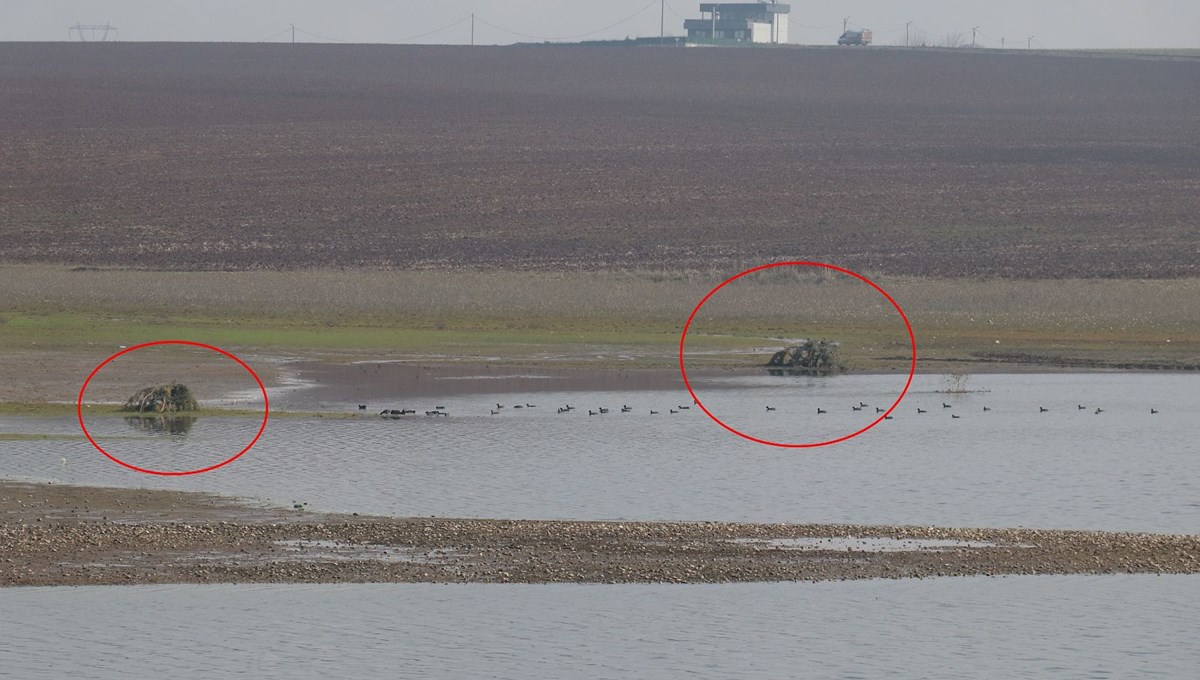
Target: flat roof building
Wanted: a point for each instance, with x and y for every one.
(753, 22)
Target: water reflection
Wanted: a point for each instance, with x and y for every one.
(797, 372)
(162, 424)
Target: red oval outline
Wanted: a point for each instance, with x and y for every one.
(912, 369)
(118, 461)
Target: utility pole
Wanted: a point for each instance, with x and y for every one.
(906, 43)
(1001, 43)
(662, 22)
(974, 31)
(293, 34)
(845, 23)
(472, 29)
(1029, 42)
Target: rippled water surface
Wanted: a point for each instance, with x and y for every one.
(1024, 627)
(1013, 465)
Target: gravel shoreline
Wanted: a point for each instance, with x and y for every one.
(53, 534)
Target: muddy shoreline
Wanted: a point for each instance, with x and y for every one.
(53, 534)
(367, 380)
(373, 380)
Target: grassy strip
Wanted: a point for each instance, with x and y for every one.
(589, 318)
(593, 343)
(26, 408)
(75, 330)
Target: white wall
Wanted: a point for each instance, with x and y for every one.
(760, 33)
(765, 33)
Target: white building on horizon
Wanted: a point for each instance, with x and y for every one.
(754, 22)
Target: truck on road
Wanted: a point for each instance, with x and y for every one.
(862, 37)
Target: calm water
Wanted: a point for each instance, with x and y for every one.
(1013, 465)
(1124, 469)
(1042, 627)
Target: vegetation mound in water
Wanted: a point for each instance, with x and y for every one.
(811, 356)
(171, 398)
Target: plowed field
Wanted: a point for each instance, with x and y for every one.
(226, 156)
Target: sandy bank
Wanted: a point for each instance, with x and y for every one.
(64, 535)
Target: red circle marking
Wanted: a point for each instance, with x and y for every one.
(118, 461)
(912, 367)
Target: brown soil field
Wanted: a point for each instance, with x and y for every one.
(904, 162)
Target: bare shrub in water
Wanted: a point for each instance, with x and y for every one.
(162, 399)
(811, 356)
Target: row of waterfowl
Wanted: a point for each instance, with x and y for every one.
(1041, 409)
(401, 412)
(397, 413)
(625, 408)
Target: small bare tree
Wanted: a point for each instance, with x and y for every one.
(915, 39)
(955, 382)
(954, 39)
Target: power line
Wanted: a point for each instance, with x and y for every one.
(293, 30)
(793, 22)
(274, 35)
(569, 37)
(436, 30)
(995, 39)
(320, 37)
(677, 14)
(844, 22)
(913, 32)
(927, 31)
(485, 22)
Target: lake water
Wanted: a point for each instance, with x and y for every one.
(1013, 465)
(1123, 469)
(1039, 627)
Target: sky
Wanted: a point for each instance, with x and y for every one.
(1053, 24)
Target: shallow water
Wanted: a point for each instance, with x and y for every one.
(1123, 469)
(1010, 466)
(1043, 627)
